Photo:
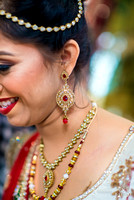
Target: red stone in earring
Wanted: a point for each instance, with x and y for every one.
(65, 120)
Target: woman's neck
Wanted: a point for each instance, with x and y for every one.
(52, 130)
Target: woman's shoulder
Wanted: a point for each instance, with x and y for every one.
(114, 131)
(112, 124)
(115, 136)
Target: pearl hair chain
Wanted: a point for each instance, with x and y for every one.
(35, 27)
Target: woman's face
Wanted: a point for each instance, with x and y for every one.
(27, 87)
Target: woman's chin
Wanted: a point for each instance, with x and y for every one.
(17, 122)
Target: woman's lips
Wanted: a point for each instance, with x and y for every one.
(7, 104)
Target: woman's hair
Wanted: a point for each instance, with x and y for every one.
(47, 13)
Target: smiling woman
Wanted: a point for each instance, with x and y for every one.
(43, 67)
(35, 75)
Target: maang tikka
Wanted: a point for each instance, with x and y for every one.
(65, 97)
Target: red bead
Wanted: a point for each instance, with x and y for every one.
(77, 152)
(64, 76)
(60, 187)
(34, 164)
(65, 98)
(52, 197)
(45, 178)
(81, 142)
(65, 120)
(41, 198)
(70, 165)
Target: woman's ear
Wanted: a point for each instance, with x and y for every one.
(69, 55)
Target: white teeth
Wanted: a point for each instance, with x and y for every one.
(8, 103)
(12, 100)
(4, 104)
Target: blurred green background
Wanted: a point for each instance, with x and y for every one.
(111, 81)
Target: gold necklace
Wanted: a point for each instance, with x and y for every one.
(67, 173)
(48, 177)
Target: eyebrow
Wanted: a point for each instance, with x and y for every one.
(4, 53)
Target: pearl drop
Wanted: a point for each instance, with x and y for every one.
(65, 176)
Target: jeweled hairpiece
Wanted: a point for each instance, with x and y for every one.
(42, 28)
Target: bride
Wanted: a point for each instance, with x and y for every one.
(79, 150)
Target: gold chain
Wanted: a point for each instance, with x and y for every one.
(70, 146)
(48, 178)
(28, 176)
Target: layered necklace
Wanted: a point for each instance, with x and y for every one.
(26, 182)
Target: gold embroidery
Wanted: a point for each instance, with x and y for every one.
(122, 179)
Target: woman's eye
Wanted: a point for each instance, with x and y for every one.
(4, 67)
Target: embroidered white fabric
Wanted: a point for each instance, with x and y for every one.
(102, 190)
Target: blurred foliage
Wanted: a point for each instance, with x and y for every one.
(121, 94)
(122, 17)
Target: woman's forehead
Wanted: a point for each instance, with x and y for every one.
(13, 48)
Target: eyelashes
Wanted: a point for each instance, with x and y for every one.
(4, 68)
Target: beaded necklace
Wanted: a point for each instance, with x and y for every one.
(27, 180)
(48, 178)
(21, 189)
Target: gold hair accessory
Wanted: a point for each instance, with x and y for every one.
(42, 28)
(65, 97)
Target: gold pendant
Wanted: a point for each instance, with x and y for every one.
(48, 180)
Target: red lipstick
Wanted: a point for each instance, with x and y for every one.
(4, 110)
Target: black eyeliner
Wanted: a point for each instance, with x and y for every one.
(4, 67)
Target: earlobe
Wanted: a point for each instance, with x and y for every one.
(69, 55)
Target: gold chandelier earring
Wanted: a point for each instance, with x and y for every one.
(65, 98)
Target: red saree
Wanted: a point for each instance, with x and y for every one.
(17, 167)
